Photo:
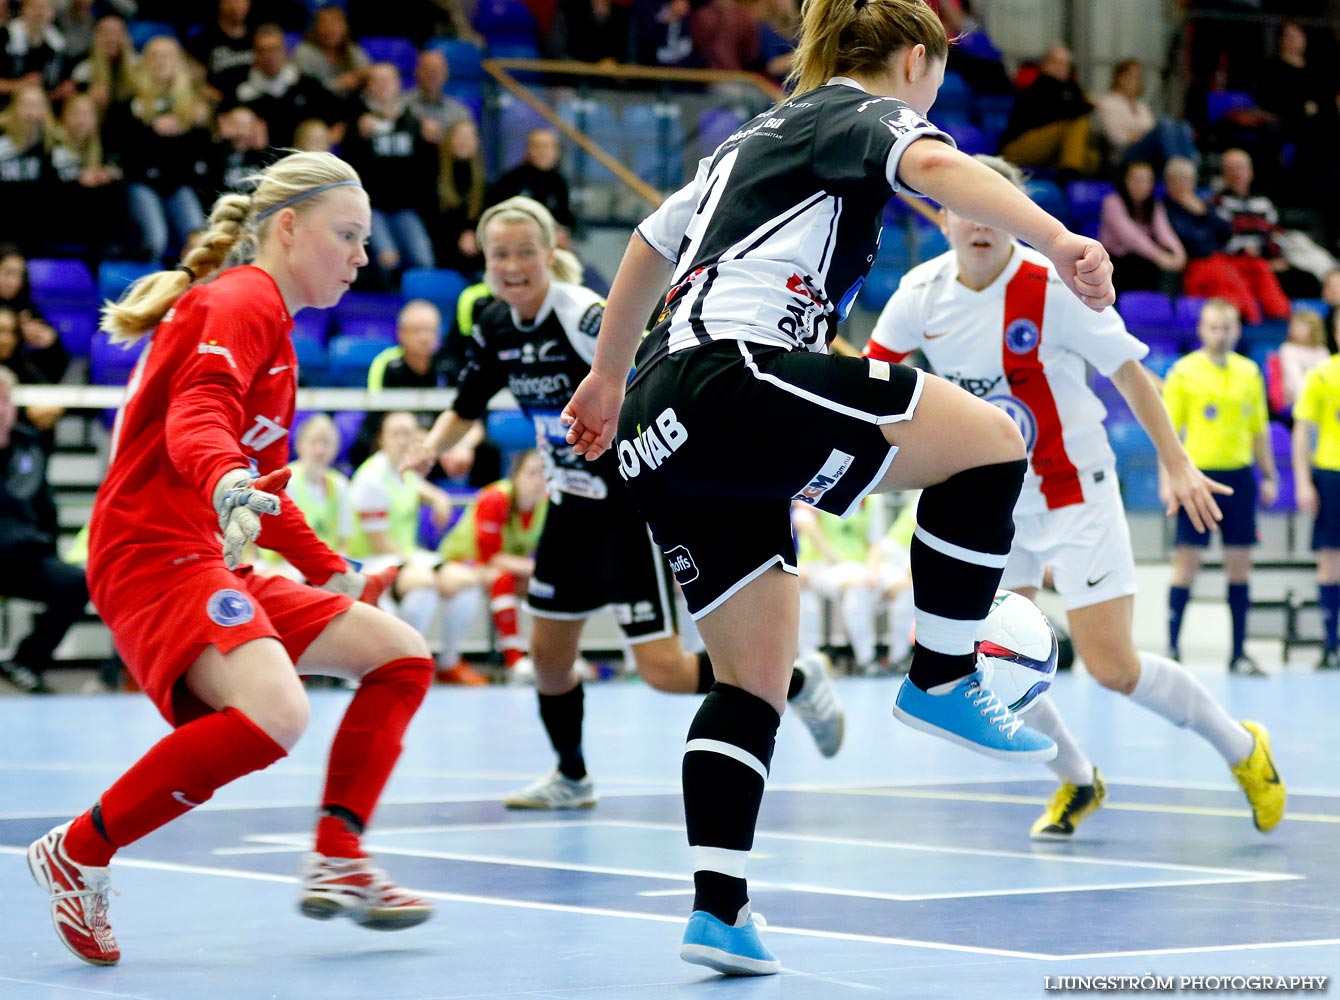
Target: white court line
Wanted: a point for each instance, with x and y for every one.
(666, 919)
(63, 987)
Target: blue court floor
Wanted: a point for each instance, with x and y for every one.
(901, 868)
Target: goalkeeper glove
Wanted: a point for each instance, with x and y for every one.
(239, 498)
(367, 588)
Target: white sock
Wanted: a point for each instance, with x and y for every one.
(811, 619)
(458, 611)
(417, 609)
(1070, 764)
(858, 618)
(1168, 689)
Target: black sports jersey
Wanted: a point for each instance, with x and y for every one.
(541, 363)
(776, 233)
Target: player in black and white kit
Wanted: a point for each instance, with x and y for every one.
(537, 339)
(737, 408)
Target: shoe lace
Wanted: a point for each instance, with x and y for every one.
(96, 888)
(993, 709)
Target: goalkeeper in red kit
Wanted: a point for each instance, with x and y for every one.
(197, 472)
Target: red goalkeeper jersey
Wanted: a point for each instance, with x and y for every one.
(213, 391)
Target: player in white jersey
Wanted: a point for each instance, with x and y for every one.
(992, 316)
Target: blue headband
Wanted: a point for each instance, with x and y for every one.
(311, 193)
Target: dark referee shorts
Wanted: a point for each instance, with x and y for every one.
(1326, 529)
(1239, 524)
(717, 441)
(594, 553)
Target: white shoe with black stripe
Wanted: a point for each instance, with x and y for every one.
(817, 703)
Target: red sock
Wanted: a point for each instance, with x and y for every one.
(180, 771)
(367, 746)
(503, 604)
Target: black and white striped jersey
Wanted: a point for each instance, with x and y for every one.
(775, 234)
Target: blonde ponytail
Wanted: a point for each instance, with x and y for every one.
(839, 37)
(237, 223)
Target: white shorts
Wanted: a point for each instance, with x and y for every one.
(1087, 545)
(829, 580)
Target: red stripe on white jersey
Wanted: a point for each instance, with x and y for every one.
(1025, 304)
(881, 353)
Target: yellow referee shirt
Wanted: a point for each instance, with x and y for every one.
(1319, 403)
(1221, 410)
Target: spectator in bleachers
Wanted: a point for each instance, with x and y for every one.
(313, 136)
(329, 54)
(110, 70)
(1217, 402)
(15, 358)
(594, 31)
(86, 209)
(1243, 279)
(497, 537)
(386, 529)
(1298, 262)
(1316, 469)
(28, 533)
(973, 56)
(538, 177)
(27, 133)
(42, 346)
(76, 22)
(33, 51)
(1146, 253)
(427, 100)
(224, 46)
(1330, 294)
(161, 139)
(1130, 127)
(726, 35)
(460, 193)
(779, 24)
(1049, 126)
(1302, 350)
(386, 145)
(320, 491)
(274, 88)
(662, 36)
(241, 149)
(418, 20)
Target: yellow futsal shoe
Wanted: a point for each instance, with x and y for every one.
(1260, 781)
(1068, 806)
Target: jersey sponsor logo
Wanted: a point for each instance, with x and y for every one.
(979, 387)
(682, 564)
(902, 121)
(767, 125)
(214, 347)
(181, 797)
(936, 336)
(634, 614)
(826, 478)
(879, 369)
(263, 433)
(1021, 415)
(1211, 411)
(229, 608)
(538, 588)
(277, 369)
(589, 324)
(1021, 336)
(1095, 581)
(652, 446)
(530, 386)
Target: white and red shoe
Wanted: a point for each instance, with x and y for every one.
(358, 889)
(78, 899)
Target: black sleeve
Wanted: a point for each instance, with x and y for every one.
(482, 378)
(852, 147)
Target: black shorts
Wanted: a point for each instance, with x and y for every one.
(1326, 530)
(1239, 524)
(717, 441)
(598, 552)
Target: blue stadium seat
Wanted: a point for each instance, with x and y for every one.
(1049, 196)
(880, 284)
(313, 324)
(379, 330)
(115, 276)
(311, 352)
(1140, 486)
(514, 47)
(954, 101)
(1219, 103)
(1129, 440)
(929, 242)
(438, 285)
(367, 314)
(1187, 311)
(511, 429)
(715, 126)
(969, 138)
(1146, 310)
(504, 17)
(347, 425)
(993, 112)
(350, 358)
(76, 322)
(142, 31)
(1316, 305)
(1086, 199)
(55, 278)
(401, 52)
(463, 59)
(515, 122)
(111, 364)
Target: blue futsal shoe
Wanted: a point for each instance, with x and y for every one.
(734, 951)
(970, 715)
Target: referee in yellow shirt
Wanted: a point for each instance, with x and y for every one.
(1317, 475)
(1217, 401)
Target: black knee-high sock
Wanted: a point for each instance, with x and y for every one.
(964, 529)
(726, 762)
(562, 718)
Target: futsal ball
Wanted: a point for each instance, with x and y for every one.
(1017, 650)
